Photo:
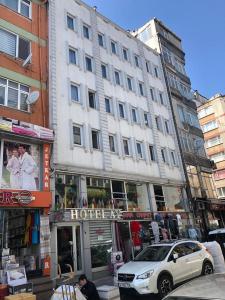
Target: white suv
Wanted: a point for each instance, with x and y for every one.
(159, 267)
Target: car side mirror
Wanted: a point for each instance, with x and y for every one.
(175, 257)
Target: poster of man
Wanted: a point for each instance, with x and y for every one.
(20, 166)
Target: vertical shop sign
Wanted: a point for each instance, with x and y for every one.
(46, 159)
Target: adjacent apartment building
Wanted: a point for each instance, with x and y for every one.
(116, 155)
(25, 139)
(211, 117)
(198, 168)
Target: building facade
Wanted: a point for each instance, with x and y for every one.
(25, 196)
(211, 117)
(198, 168)
(116, 154)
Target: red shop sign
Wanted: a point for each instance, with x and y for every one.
(14, 198)
(46, 183)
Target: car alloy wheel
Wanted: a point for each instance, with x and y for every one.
(165, 286)
(207, 269)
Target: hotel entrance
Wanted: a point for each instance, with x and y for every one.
(69, 248)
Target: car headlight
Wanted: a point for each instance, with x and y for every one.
(145, 275)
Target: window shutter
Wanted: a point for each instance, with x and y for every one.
(133, 148)
(8, 42)
(119, 51)
(83, 95)
(162, 124)
(145, 152)
(130, 115)
(111, 68)
(85, 136)
(71, 133)
(90, 139)
(138, 88)
(140, 116)
(119, 144)
(115, 108)
(80, 59)
(83, 60)
(107, 44)
(123, 79)
(97, 101)
(127, 112)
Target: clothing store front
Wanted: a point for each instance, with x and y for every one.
(138, 230)
(25, 197)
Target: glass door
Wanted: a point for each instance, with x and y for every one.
(69, 248)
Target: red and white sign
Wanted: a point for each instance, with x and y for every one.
(15, 198)
(46, 152)
(218, 175)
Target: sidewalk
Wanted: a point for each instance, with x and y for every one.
(108, 280)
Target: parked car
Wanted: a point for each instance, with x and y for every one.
(202, 288)
(218, 235)
(159, 267)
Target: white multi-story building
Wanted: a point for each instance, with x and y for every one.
(115, 144)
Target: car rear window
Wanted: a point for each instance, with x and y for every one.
(153, 253)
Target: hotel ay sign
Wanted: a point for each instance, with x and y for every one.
(92, 214)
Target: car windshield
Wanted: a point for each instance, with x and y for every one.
(153, 253)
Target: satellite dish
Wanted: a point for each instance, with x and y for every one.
(32, 97)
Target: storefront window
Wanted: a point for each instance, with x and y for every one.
(159, 198)
(98, 193)
(100, 254)
(132, 196)
(20, 166)
(174, 199)
(67, 191)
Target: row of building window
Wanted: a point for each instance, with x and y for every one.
(124, 111)
(173, 60)
(209, 126)
(116, 75)
(181, 87)
(213, 141)
(218, 157)
(23, 7)
(115, 48)
(79, 140)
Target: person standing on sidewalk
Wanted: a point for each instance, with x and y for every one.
(88, 288)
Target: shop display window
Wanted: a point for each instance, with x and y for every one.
(159, 198)
(20, 166)
(174, 198)
(67, 191)
(98, 193)
(132, 196)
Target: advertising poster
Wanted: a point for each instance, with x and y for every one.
(20, 166)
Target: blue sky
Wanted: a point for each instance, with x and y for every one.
(199, 23)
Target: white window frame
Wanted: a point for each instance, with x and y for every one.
(92, 63)
(89, 31)
(124, 112)
(152, 158)
(76, 55)
(137, 60)
(161, 98)
(212, 125)
(173, 158)
(117, 71)
(221, 192)
(110, 105)
(95, 99)
(114, 143)
(116, 47)
(74, 21)
(106, 70)
(19, 8)
(134, 109)
(78, 92)
(148, 66)
(127, 55)
(6, 87)
(205, 112)
(103, 39)
(98, 139)
(128, 146)
(131, 83)
(213, 141)
(18, 37)
(141, 88)
(153, 94)
(139, 155)
(167, 126)
(164, 155)
(81, 135)
(220, 156)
